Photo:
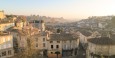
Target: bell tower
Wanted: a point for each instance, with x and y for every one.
(42, 25)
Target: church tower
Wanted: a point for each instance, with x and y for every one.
(42, 25)
(2, 15)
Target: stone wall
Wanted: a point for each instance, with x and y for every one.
(101, 49)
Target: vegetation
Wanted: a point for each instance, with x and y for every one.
(29, 51)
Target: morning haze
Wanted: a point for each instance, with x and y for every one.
(57, 29)
(74, 9)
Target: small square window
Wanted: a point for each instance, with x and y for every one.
(57, 46)
(51, 41)
(44, 45)
(51, 52)
(58, 41)
(36, 44)
(43, 39)
(9, 52)
(52, 46)
(4, 53)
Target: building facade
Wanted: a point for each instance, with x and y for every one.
(101, 47)
(6, 45)
(64, 44)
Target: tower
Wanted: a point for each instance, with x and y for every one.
(2, 16)
(42, 25)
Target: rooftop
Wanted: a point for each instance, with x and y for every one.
(85, 32)
(102, 41)
(62, 36)
(5, 22)
(24, 31)
(4, 33)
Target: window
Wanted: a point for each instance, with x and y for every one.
(51, 41)
(44, 45)
(36, 39)
(9, 52)
(57, 46)
(43, 39)
(58, 41)
(52, 46)
(36, 44)
(4, 53)
(51, 52)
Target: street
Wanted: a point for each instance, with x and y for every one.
(80, 54)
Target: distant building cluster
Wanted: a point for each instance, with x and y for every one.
(17, 35)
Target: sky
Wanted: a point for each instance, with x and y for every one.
(69, 9)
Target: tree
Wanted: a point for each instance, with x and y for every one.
(59, 30)
(29, 51)
(23, 19)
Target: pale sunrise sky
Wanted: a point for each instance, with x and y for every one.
(69, 9)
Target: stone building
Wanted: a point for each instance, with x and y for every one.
(20, 23)
(6, 45)
(83, 36)
(101, 47)
(21, 36)
(37, 37)
(46, 42)
(65, 44)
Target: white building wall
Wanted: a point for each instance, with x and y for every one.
(101, 49)
(6, 44)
